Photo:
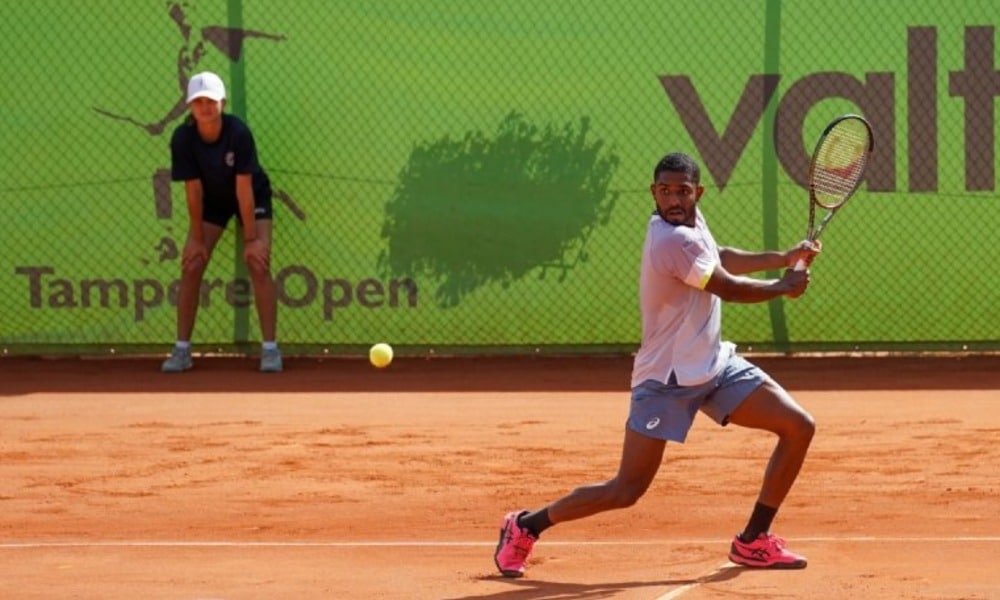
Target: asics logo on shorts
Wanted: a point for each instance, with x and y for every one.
(653, 423)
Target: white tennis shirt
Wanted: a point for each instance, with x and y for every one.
(681, 322)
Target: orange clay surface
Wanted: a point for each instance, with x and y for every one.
(337, 480)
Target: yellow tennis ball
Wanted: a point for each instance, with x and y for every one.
(380, 355)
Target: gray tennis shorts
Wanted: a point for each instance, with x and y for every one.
(666, 411)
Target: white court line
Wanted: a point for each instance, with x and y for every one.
(678, 592)
(13, 545)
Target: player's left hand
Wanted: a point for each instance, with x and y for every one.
(805, 251)
(795, 281)
(257, 254)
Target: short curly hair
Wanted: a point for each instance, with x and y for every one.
(678, 162)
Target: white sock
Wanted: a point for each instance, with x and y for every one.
(183, 345)
(269, 345)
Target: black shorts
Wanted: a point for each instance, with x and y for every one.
(219, 213)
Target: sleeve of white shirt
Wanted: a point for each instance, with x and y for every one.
(682, 254)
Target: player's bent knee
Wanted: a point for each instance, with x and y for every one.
(803, 428)
(627, 499)
(624, 496)
(807, 424)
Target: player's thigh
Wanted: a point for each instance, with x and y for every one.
(212, 234)
(772, 408)
(641, 458)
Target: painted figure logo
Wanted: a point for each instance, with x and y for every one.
(227, 40)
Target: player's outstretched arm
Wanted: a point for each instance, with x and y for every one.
(739, 288)
(741, 262)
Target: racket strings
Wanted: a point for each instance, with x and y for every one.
(833, 187)
(839, 167)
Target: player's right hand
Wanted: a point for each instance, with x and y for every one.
(802, 255)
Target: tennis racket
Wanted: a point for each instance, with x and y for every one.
(835, 171)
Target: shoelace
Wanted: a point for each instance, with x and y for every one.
(523, 545)
(774, 542)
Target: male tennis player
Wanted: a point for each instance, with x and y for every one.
(683, 366)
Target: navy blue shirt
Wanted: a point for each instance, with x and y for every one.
(217, 163)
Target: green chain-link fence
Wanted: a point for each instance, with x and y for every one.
(473, 175)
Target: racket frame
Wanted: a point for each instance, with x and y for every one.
(813, 230)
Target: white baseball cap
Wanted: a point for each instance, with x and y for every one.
(206, 85)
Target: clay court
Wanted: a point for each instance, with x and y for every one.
(336, 480)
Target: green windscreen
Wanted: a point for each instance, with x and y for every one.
(475, 174)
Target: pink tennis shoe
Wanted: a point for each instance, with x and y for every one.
(514, 546)
(766, 552)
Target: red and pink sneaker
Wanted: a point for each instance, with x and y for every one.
(766, 552)
(514, 546)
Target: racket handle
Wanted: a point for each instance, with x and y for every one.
(800, 265)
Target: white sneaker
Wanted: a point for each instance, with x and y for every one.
(270, 361)
(179, 360)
